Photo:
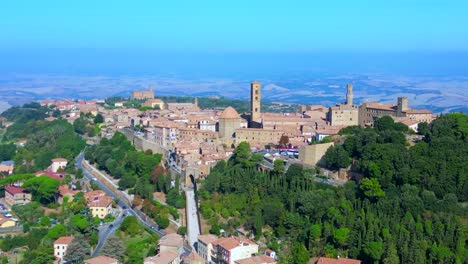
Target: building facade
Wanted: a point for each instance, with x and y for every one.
(61, 245)
(205, 246)
(16, 196)
(344, 114)
(258, 137)
(57, 164)
(312, 154)
(143, 94)
(229, 121)
(230, 249)
(369, 112)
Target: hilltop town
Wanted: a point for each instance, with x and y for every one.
(201, 137)
(106, 177)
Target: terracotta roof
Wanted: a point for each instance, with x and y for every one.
(323, 260)
(418, 111)
(50, 174)
(4, 220)
(6, 168)
(101, 260)
(262, 259)
(229, 113)
(165, 257)
(380, 106)
(194, 257)
(64, 240)
(103, 201)
(59, 160)
(64, 190)
(93, 195)
(14, 190)
(171, 240)
(230, 243)
(207, 239)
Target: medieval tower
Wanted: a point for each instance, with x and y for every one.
(349, 94)
(255, 101)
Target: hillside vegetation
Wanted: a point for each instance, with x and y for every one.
(406, 209)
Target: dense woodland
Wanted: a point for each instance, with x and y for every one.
(409, 207)
(45, 139)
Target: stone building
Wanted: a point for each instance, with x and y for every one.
(312, 154)
(143, 94)
(369, 112)
(344, 114)
(258, 137)
(229, 121)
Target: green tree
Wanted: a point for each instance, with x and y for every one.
(130, 225)
(278, 167)
(336, 157)
(299, 253)
(114, 248)
(162, 221)
(98, 119)
(374, 250)
(182, 230)
(7, 151)
(371, 188)
(341, 236)
(56, 232)
(242, 154)
(78, 250)
(43, 188)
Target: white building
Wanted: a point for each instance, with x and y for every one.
(61, 245)
(57, 164)
(231, 249)
(205, 246)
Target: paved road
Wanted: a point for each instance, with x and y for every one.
(107, 230)
(122, 204)
(193, 227)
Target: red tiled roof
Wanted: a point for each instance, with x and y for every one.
(171, 240)
(14, 190)
(230, 243)
(50, 174)
(64, 240)
(101, 260)
(165, 257)
(103, 201)
(262, 259)
(59, 160)
(4, 220)
(207, 239)
(229, 113)
(64, 190)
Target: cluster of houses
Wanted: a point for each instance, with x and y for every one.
(99, 204)
(201, 137)
(211, 249)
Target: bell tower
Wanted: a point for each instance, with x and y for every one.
(349, 94)
(255, 101)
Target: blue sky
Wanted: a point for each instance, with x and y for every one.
(235, 26)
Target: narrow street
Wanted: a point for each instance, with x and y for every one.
(193, 227)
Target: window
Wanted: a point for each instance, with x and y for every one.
(256, 91)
